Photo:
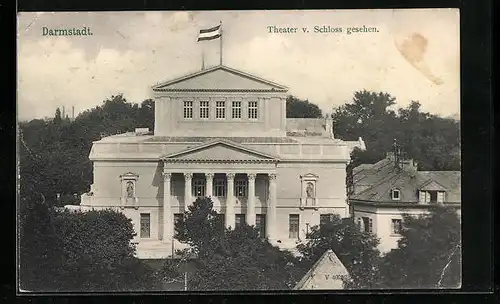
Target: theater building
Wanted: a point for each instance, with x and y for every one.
(223, 134)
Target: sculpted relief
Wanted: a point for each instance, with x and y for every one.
(130, 189)
(308, 182)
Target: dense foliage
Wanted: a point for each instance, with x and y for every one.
(428, 255)
(232, 259)
(54, 153)
(432, 141)
(74, 251)
(298, 108)
(356, 250)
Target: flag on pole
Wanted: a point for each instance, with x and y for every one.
(210, 34)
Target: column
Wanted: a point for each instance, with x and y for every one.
(209, 177)
(168, 224)
(188, 200)
(271, 208)
(229, 215)
(251, 199)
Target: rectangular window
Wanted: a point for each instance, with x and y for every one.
(176, 186)
(220, 109)
(367, 224)
(219, 189)
(236, 109)
(204, 109)
(240, 220)
(395, 194)
(440, 197)
(188, 109)
(145, 225)
(424, 197)
(293, 226)
(240, 187)
(396, 226)
(325, 218)
(260, 224)
(252, 110)
(198, 188)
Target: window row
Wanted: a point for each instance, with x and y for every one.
(240, 219)
(424, 196)
(220, 109)
(219, 188)
(365, 224)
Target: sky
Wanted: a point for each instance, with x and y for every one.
(413, 56)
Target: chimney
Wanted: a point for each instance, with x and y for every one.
(390, 156)
(63, 113)
(329, 126)
(73, 112)
(410, 166)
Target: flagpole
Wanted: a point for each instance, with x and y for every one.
(221, 36)
(202, 58)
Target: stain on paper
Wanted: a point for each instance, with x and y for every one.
(413, 50)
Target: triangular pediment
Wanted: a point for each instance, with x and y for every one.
(327, 273)
(220, 150)
(219, 78)
(432, 185)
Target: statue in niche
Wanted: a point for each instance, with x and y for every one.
(130, 189)
(309, 194)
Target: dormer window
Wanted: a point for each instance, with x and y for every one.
(440, 197)
(431, 197)
(395, 194)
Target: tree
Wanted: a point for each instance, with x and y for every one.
(75, 251)
(57, 116)
(428, 253)
(201, 227)
(54, 154)
(433, 142)
(229, 259)
(298, 108)
(357, 250)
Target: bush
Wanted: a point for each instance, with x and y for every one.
(75, 251)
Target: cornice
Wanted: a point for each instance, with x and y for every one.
(221, 90)
(220, 161)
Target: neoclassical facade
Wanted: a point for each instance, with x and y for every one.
(222, 133)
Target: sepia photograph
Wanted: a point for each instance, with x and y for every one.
(179, 151)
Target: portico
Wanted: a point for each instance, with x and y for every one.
(226, 189)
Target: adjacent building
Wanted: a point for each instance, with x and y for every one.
(222, 133)
(384, 191)
(328, 273)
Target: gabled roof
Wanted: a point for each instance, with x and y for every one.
(220, 150)
(432, 185)
(373, 183)
(219, 78)
(326, 273)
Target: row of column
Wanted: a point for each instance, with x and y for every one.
(230, 217)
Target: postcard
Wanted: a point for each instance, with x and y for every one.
(239, 150)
